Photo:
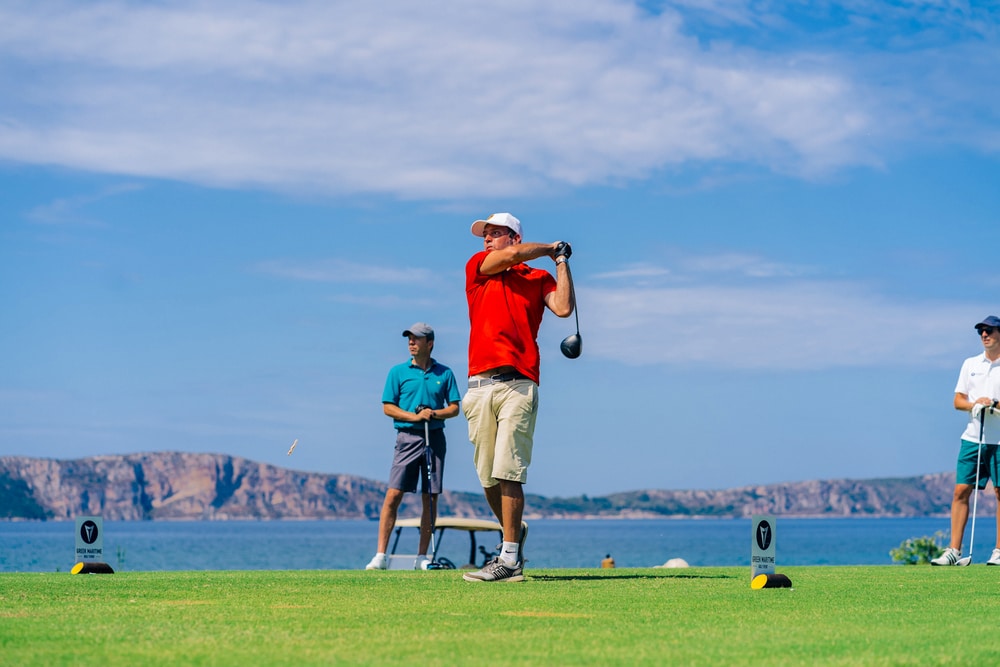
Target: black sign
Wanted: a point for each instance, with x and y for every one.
(88, 531)
(764, 534)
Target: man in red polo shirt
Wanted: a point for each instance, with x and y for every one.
(507, 299)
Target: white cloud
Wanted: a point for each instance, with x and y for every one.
(498, 99)
(343, 271)
(71, 210)
(741, 264)
(398, 98)
(383, 302)
(635, 272)
(768, 322)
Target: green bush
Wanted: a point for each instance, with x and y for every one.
(919, 550)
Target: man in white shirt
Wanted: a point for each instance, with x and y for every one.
(977, 393)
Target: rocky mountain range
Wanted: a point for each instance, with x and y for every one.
(184, 486)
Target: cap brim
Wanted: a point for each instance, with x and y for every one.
(479, 228)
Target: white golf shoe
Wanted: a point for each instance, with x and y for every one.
(994, 558)
(949, 557)
(379, 562)
(421, 563)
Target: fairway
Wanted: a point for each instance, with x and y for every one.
(832, 616)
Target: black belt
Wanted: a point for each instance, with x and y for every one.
(475, 383)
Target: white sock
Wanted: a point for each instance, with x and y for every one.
(508, 553)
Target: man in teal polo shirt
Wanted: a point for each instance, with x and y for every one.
(419, 395)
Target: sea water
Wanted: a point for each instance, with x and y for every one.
(552, 543)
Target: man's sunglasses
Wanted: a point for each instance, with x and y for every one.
(989, 331)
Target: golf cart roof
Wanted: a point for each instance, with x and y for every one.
(454, 522)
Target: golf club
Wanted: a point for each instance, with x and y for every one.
(428, 466)
(975, 491)
(572, 345)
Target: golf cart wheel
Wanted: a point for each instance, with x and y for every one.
(445, 564)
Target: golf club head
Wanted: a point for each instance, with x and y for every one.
(571, 346)
(964, 561)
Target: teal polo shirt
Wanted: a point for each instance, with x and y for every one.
(409, 386)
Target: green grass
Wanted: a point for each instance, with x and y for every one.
(888, 615)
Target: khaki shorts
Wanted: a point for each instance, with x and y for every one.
(501, 420)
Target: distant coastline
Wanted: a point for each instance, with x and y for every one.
(177, 486)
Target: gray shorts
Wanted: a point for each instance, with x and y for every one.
(410, 461)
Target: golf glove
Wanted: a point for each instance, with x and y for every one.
(977, 410)
(563, 249)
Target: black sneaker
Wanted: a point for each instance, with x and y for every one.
(496, 570)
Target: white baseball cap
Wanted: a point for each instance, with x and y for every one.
(498, 219)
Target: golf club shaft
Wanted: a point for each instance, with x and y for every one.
(428, 464)
(428, 454)
(576, 311)
(571, 345)
(975, 490)
(572, 294)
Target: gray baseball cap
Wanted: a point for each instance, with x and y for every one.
(420, 330)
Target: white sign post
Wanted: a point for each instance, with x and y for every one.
(89, 539)
(762, 545)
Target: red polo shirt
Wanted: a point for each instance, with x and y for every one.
(505, 311)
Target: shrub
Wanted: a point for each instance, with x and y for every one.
(919, 550)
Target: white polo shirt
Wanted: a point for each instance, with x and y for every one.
(979, 377)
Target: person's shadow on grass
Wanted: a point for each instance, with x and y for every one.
(621, 575)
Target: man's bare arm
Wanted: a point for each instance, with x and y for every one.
(562, 301)
(497, 261)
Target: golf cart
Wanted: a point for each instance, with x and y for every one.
(471, 526)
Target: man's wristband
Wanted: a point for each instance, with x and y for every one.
(560, 260)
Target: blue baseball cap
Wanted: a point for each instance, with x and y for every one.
(991, 321)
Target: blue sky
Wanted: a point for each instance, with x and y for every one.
(216, 219)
